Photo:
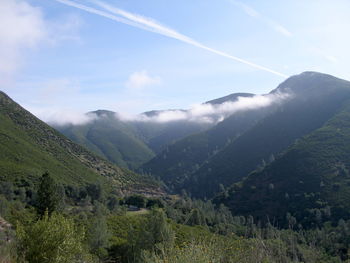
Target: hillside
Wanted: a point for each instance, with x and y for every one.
(311, 180)
(131, 143)
(250, 142)
(29, 147)
(127, 143)
(185, 156)
(315, 99)
(157, 135)
(111, 138)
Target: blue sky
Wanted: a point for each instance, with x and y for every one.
(58, 58)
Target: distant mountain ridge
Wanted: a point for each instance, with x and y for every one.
(286, 156)
(131, 143)
(29, 147)
(202, 170)
(309, 181)
(111, 138)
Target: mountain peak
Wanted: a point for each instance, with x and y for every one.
(231, 97)
(103, 113)
(310, 82)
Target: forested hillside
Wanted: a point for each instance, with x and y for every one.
(132, 142)
(127, 143)
(29, 147)
(310, 181)
(293, 207)
(257, 136)
(111, 138)
(179, 160)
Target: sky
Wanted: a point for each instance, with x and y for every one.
(66, 57)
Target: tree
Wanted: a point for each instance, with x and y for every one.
(54, 239)
(196, 218)
(98, 235)
(6, 188)
(155, 236)
(48, 195)
(136, 200)
(95, 192)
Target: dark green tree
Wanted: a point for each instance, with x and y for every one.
(136, 200)
(48, 197)
(196, 218)
(95, 192)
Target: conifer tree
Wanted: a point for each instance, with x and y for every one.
(48, 195)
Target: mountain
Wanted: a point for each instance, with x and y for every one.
(29, 147)
(111, 138)
(231, 97)
(157, 135)
(314, 99)
(310, 180)
(127, 143)
(182, 158)
(131, 143)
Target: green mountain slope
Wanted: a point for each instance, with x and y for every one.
(130, 143)
(115, 140)
(158, 135)
(310, 180)
(316, 98)
(29, 147)
(186, 156)
(248, 140)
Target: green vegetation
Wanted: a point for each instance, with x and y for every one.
(293, 207)
(28, 147)
(48, 197)
(111, 138)
(201, 163)
(128, 144)
(98, 234)
(310, 180)
(178, 161)
(53, 239)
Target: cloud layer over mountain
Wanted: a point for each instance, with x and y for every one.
(211, 113)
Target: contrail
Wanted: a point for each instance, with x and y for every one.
(151, 25)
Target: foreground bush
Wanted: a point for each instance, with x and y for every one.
(219, 250)
(53, 239)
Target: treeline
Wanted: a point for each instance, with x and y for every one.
(53, 223)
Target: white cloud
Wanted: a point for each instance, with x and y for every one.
(210, 113)
(141, 79)
(22, 26)
(202, 113)
(61, 117)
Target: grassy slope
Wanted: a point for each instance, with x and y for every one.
(111, 138)
(29, 147)
(127, 143)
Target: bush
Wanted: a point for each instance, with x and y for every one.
(53, 239)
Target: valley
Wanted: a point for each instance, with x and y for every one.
(255, 173)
